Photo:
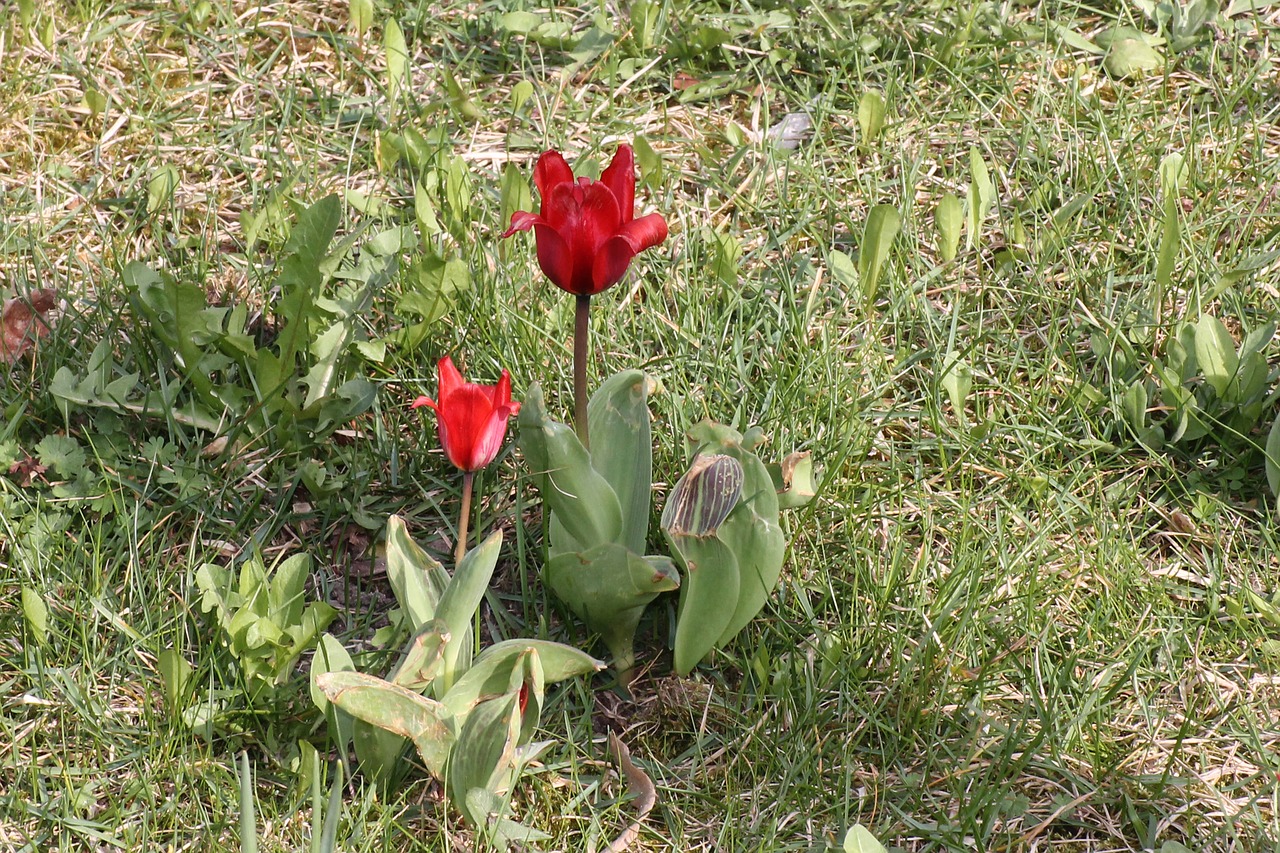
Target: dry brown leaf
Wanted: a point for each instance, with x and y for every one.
(26, 470)
(639, 784)
(22, 321)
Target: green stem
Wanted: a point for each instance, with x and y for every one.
(461, 549)
(580, 329)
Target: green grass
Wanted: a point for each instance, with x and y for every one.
(1011, 630)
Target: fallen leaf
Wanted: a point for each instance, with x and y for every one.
(639, 784)
(27, 469)
(22, 321)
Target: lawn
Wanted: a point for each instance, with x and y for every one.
(1035, 603)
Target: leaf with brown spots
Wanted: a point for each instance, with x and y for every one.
(23, 321)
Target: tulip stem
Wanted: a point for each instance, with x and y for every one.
(580, 329)
(461, 549)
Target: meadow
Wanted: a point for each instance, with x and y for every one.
(1007, 271)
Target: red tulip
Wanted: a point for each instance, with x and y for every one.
(587, 232)
(471, 418)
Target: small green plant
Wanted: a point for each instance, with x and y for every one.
(1203, 386)
(598, 508)
(470, 721)
(265, 621)
(291, 377)
(722, 521)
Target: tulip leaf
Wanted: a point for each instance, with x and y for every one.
(485, 753)
(608, 587)
(491, 673)
(751, 532)
(393, 709)
(423, 658)
(459, 603)
(793, 480)
(580, 499)
(417, 580)
(332, 656)
(618, 414)
(711, 584)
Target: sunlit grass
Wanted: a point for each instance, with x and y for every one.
(1007, 628)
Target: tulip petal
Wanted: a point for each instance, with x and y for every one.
(611, 263)
(502, 396)
(521, 220)
(449, 377)
(551, 171)
(620, 178)
(554, 257)
(645, 232)
(424, 401)
(466, 421)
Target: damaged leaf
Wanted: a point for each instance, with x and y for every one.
(23, 320)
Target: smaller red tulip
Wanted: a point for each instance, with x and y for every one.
(586, 230)
(471, 419)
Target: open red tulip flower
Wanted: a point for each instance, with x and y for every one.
(471, 418)
(586, 231)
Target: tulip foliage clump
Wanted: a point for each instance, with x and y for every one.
(597, 477)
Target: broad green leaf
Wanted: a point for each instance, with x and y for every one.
(490, 674)
(871, 112)
(416, 578)
(1133, 405)
(881, 229)
(397, 54)
(957, 381)
(458, 605)
(1273, 458)
(608, 587)
(175, 675)
(514, 193)
(981, 196)
(579, 497)
(860, 840)
(287, 588)
(327, 349)
(394, 709)
(422, 659)
(519, 22)
(332, 656)
(793, 480)
(842, 268)
(1131, 57)
(1216, 353)
(424, 210)
(753, 535)
(649, 160)
(618, 415)
(949, 219)
(459, 98)
(485, 753)
(360, 15)
(36, 613)
(711, 582)
(160, 188)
